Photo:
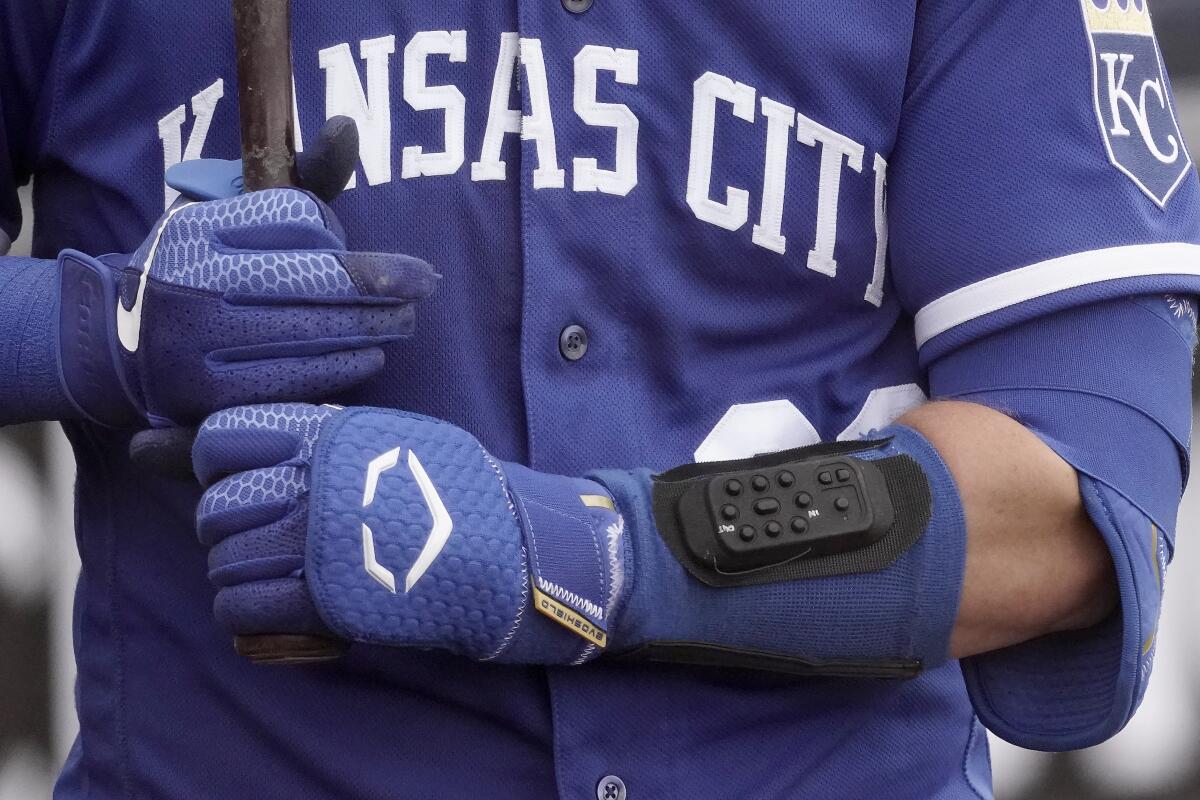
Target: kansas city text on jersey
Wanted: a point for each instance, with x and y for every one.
(769, 124)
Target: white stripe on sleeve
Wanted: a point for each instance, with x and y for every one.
(1055, 275)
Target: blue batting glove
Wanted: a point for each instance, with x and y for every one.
(231, 301)
(240, 299)
(392, 528)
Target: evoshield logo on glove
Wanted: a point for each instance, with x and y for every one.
(567, 617)
(439, 532)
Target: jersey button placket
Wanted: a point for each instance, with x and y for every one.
(577, 6)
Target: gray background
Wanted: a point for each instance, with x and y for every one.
(1156, 758)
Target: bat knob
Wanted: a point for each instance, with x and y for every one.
(287, 649)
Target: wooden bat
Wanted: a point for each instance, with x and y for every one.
(263, 30)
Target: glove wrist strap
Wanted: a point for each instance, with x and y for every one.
(91, 366)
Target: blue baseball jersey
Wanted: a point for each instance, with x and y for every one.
(766, 220)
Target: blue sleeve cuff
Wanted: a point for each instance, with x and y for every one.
(29, 364)
(1108, 388)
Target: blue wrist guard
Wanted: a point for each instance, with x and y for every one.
(391, 528)
(838, 559)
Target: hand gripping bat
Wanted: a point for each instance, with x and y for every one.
(264, 67)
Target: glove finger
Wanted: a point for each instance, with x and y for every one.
(247, 500)
(325, 167)
(276, 266)
(328, 163)
(390, 275)
(290, 270)
(282, 605)
(164, 451)
(253, 437)
(264, 323)
(219, 452)
(294, 379)
(229, 356)
(254, 217)
(271, 551)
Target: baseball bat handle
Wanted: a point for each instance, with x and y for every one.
(287, 649)
(263, 38)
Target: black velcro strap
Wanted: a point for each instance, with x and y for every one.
(713, 655)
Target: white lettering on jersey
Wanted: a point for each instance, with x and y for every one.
(588, 177)
(502, 119)
(749, 429)
(780, 119)
(835, 148)
(170, 132)
(883, 407)
(370, 109)
(423, 97)
(539, 125)
(707, 90)
(874, 294)
(296, 118)
(364, 94)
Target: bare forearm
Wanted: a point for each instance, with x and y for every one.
(1035, 563)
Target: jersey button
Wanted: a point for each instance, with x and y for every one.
(611, 787)
(573, 342)
(577, 6)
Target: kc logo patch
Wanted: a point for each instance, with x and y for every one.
(1133, 103)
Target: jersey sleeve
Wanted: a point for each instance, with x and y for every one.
(1045, 237)
(27, 35)
(1107, 386)
(1039, 165)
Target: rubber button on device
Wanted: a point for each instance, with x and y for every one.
(773, 529)
(747, 533)
(729, 512)
(803, 500)
(825, 477)
(843, 475)
(733, 488)
(799, 524)
(759, 483)
(785, 479)
(766, 507)
(841, 504)
(573, 342)
(611, 787)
